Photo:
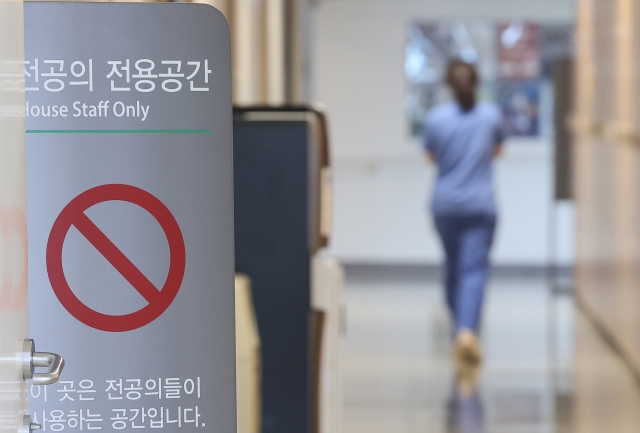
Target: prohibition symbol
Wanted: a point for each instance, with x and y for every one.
(159, 299)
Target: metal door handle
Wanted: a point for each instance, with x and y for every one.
(28, 426)
(32, 359)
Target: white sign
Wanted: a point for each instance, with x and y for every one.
(130, 211)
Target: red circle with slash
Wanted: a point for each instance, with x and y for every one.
(159, 299)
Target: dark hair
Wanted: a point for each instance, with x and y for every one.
(457, 63)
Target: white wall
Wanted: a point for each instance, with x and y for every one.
(13, 220)
(381, 182)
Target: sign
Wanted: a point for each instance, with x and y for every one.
(130, 215)
(73, 215)
(519, 50)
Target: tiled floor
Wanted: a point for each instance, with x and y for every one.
(545, 370)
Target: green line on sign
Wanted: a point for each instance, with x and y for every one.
(118, 131)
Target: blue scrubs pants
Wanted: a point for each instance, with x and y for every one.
(467, 241)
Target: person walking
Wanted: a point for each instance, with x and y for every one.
(462, 137)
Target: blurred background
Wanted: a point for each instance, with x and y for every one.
(561, 325)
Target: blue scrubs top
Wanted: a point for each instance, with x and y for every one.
(463, 144)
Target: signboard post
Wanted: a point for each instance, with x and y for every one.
(130, 211)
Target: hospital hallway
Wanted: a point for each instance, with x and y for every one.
(546, 368)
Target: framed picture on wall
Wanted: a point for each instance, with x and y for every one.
(520, 103)
(430, 47)
(519, 50)
(513, 59)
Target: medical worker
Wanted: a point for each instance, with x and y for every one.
(462, 137)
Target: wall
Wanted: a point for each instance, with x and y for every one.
(14, 391)
(381, 182)
(607, 172)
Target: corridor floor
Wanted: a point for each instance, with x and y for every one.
(545, 369)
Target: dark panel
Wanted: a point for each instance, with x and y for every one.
(271, 230)
(563, 77)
